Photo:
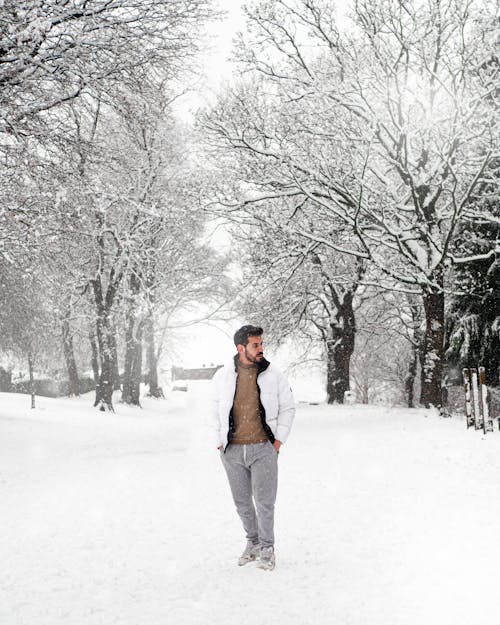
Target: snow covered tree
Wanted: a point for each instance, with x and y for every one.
(52, 52)
(303, 291)
(57, 54)
(473, 313)
(67, 70)
(386, 127)
(69, 354)
(387, 353)
(27, 319)
(169, 267)
(126, 230)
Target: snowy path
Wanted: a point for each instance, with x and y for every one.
(384, 517)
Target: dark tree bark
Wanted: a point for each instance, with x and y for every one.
(152, 355)
(5, 380)
(105, 387)
(339, 349)
(415, 343)
(105, 341)
(132, 371)
(433, 344)
(133, 366)
(104, 301)
(411, 376)
(338, 335)
(69, 357)
(95, 357)
(116, 368)
(136, 372)
(155, 389)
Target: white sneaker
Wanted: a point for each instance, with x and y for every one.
(251, 553)
(267, 559)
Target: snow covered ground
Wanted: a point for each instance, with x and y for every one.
(384, 517)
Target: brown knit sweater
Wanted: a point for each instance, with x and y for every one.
(246, 413)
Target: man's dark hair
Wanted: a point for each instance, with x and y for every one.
(241, 336)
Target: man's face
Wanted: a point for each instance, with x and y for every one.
(252, 352)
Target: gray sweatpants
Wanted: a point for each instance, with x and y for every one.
(252, 471)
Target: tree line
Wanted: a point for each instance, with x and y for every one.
(353, 164)
(101, 243)
(361, 178)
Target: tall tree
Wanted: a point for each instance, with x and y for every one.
(52, 52)
(386, 127)
(26, 316)
(63, 73)
(473, 313)
(304, 291)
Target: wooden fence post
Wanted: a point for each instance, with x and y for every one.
(477, 411)
(483, 400)
(469, 418)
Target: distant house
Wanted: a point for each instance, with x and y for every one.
(202, 373)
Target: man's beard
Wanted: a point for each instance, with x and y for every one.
(254, 359)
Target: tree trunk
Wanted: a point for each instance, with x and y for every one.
(103, 302)
(339, 349)
(152, 359)
(152, 355)
(337, 374)
(69, 357)
(95, 357)
(431, 363)
(105, 386)
(410, 376)
(115, 364)
(5, 380)
(416, 347)
(365, 393)
(133, 364)
(132, 370)
(137, 368)
(31, 368)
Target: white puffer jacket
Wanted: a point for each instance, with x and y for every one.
(275, 396)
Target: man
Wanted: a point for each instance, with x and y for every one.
(253, 410)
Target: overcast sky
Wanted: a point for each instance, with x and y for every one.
(214, 65)
(217, 64)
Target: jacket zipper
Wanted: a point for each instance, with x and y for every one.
(262, 411)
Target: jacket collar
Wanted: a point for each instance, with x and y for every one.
(261, 366)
